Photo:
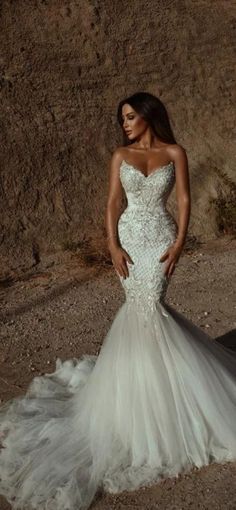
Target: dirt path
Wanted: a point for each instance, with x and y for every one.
(65, 310)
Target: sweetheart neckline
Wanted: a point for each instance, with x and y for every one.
(136, 169)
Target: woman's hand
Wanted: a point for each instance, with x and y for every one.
(119, 259)
(172, 255)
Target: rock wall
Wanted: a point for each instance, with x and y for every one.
(64, 66)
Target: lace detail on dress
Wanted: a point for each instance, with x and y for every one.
(141, 296)
(146, 229)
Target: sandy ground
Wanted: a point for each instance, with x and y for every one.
(64, 309)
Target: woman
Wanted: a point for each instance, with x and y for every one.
(160, 398)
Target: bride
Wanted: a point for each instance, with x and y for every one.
(160, 398)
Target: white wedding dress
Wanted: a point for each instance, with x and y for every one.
(158, 400)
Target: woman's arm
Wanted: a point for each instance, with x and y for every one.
(183, 196)
(114, 200)
(113, 211)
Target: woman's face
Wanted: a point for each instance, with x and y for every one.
(133, 124)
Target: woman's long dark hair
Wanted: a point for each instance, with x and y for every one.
(153, 112)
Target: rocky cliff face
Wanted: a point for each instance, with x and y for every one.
(64, 66)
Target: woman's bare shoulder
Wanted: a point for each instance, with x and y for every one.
(178, 154)
(119, 154)
(176, 149)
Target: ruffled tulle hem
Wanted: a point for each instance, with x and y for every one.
(158, 401)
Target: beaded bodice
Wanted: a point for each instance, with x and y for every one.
(146, 229)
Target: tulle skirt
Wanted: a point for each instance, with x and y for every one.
(158, 400)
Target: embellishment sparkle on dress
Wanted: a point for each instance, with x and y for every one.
(146, 229)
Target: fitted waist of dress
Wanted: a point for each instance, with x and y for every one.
(159, 217)
(145, 210)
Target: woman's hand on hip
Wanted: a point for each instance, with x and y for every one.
(172, 255)
(119, 259)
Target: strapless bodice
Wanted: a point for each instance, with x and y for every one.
(147, 194)
(146, 228)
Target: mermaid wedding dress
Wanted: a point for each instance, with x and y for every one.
(159, 399)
